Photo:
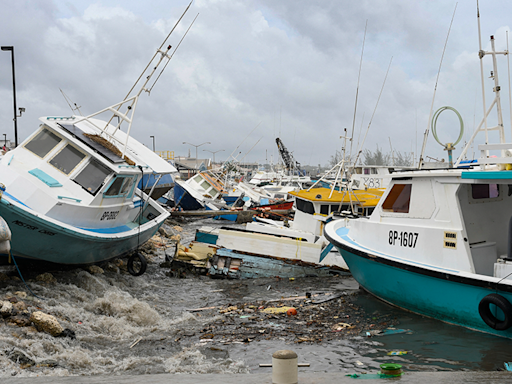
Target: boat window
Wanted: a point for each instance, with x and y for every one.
(398, 199)
(334, 207)
(91, 178)
(120, 186)
(367, 171)
(205, 185)
(305, 206)
(324, 209)
(198, 179)
(213, 192)
(373, 170)
(67, 159)
(485, 191)
(43, 143)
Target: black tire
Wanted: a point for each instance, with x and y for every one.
(137, 264)
(487, 316)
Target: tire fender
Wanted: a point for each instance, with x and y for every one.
(488, 317)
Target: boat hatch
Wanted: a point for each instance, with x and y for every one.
(98, 148)
(92, 177)
(43, 143)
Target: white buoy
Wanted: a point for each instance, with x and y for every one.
(284, 367)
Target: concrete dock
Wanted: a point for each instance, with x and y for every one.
(470, 377)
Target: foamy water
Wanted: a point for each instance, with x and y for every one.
(129, 325)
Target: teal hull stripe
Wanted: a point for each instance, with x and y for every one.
(449, 301)
(489, 175)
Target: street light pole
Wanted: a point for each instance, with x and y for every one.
(153, 137)
(213, 153)
(194, 145)
(11, 48)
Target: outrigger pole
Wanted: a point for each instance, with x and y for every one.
(496, 102)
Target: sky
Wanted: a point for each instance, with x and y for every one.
(249, 71)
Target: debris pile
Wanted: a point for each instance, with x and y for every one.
(309, 319)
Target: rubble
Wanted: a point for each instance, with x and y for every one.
(320, 317)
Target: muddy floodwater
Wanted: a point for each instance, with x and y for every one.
(117, 324)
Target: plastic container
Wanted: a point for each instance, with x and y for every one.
(391, 369)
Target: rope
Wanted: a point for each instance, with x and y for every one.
(21, 276)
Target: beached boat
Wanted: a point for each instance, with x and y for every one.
(439, 242)
(299, 240)
(71, 193)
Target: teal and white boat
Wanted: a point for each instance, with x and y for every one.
(71, 193)
(439, 243)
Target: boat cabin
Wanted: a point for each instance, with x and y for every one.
(65, 172)
(435, 218)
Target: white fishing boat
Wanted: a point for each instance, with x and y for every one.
(71, 193)
(439, 242)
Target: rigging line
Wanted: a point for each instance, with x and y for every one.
(68, 100)
(373, 114)
(244, 140)
(435, 89)
(251, 149)
(357, 90)
(175, 49)
(149, 63)
(159, 49)
(509, 89)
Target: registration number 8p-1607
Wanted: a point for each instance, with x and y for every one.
(404, 239)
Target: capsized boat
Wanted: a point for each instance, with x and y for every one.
(439, 242)
(71, 193)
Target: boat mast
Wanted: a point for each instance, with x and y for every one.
(496, 102)
(131, 102)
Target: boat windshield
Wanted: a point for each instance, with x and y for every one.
(43, 142)
(120, 186)
(91, 178)
(305, 206)
(67, 159)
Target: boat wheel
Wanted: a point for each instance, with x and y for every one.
(137, 264)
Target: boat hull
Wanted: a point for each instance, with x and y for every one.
(439, 294)
(183, 199)
(35, 238)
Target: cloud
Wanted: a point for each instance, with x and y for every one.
(288, 67)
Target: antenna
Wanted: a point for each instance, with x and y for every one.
(496, 102)
(435, 89)
(357, 88)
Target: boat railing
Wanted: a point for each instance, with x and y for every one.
(505, 148)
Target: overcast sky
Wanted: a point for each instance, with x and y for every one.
(288, 67)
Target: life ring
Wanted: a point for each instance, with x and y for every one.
(137, 264)
(487, 316)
